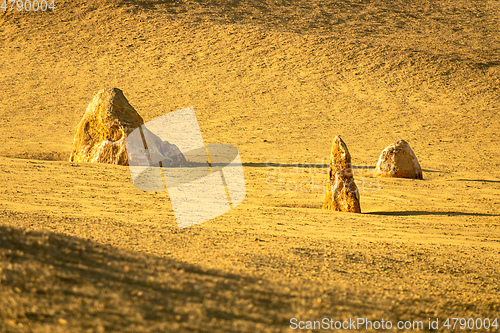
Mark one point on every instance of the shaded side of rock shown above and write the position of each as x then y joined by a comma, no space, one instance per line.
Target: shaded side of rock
341,191
398,160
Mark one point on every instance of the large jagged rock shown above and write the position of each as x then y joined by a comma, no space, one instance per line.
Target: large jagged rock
341,191
398,160
101,135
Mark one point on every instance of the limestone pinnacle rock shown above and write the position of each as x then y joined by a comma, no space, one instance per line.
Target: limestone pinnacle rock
102,133
341,191
398,160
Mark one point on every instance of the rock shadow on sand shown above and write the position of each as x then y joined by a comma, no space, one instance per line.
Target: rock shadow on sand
425,213
478,180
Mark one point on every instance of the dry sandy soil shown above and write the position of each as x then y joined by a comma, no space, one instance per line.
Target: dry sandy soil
82,250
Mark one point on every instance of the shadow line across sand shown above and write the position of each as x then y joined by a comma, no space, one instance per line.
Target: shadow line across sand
421,213
310,165
477,180
299,165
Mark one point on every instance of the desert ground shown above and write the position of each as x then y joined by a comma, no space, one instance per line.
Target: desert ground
83,250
